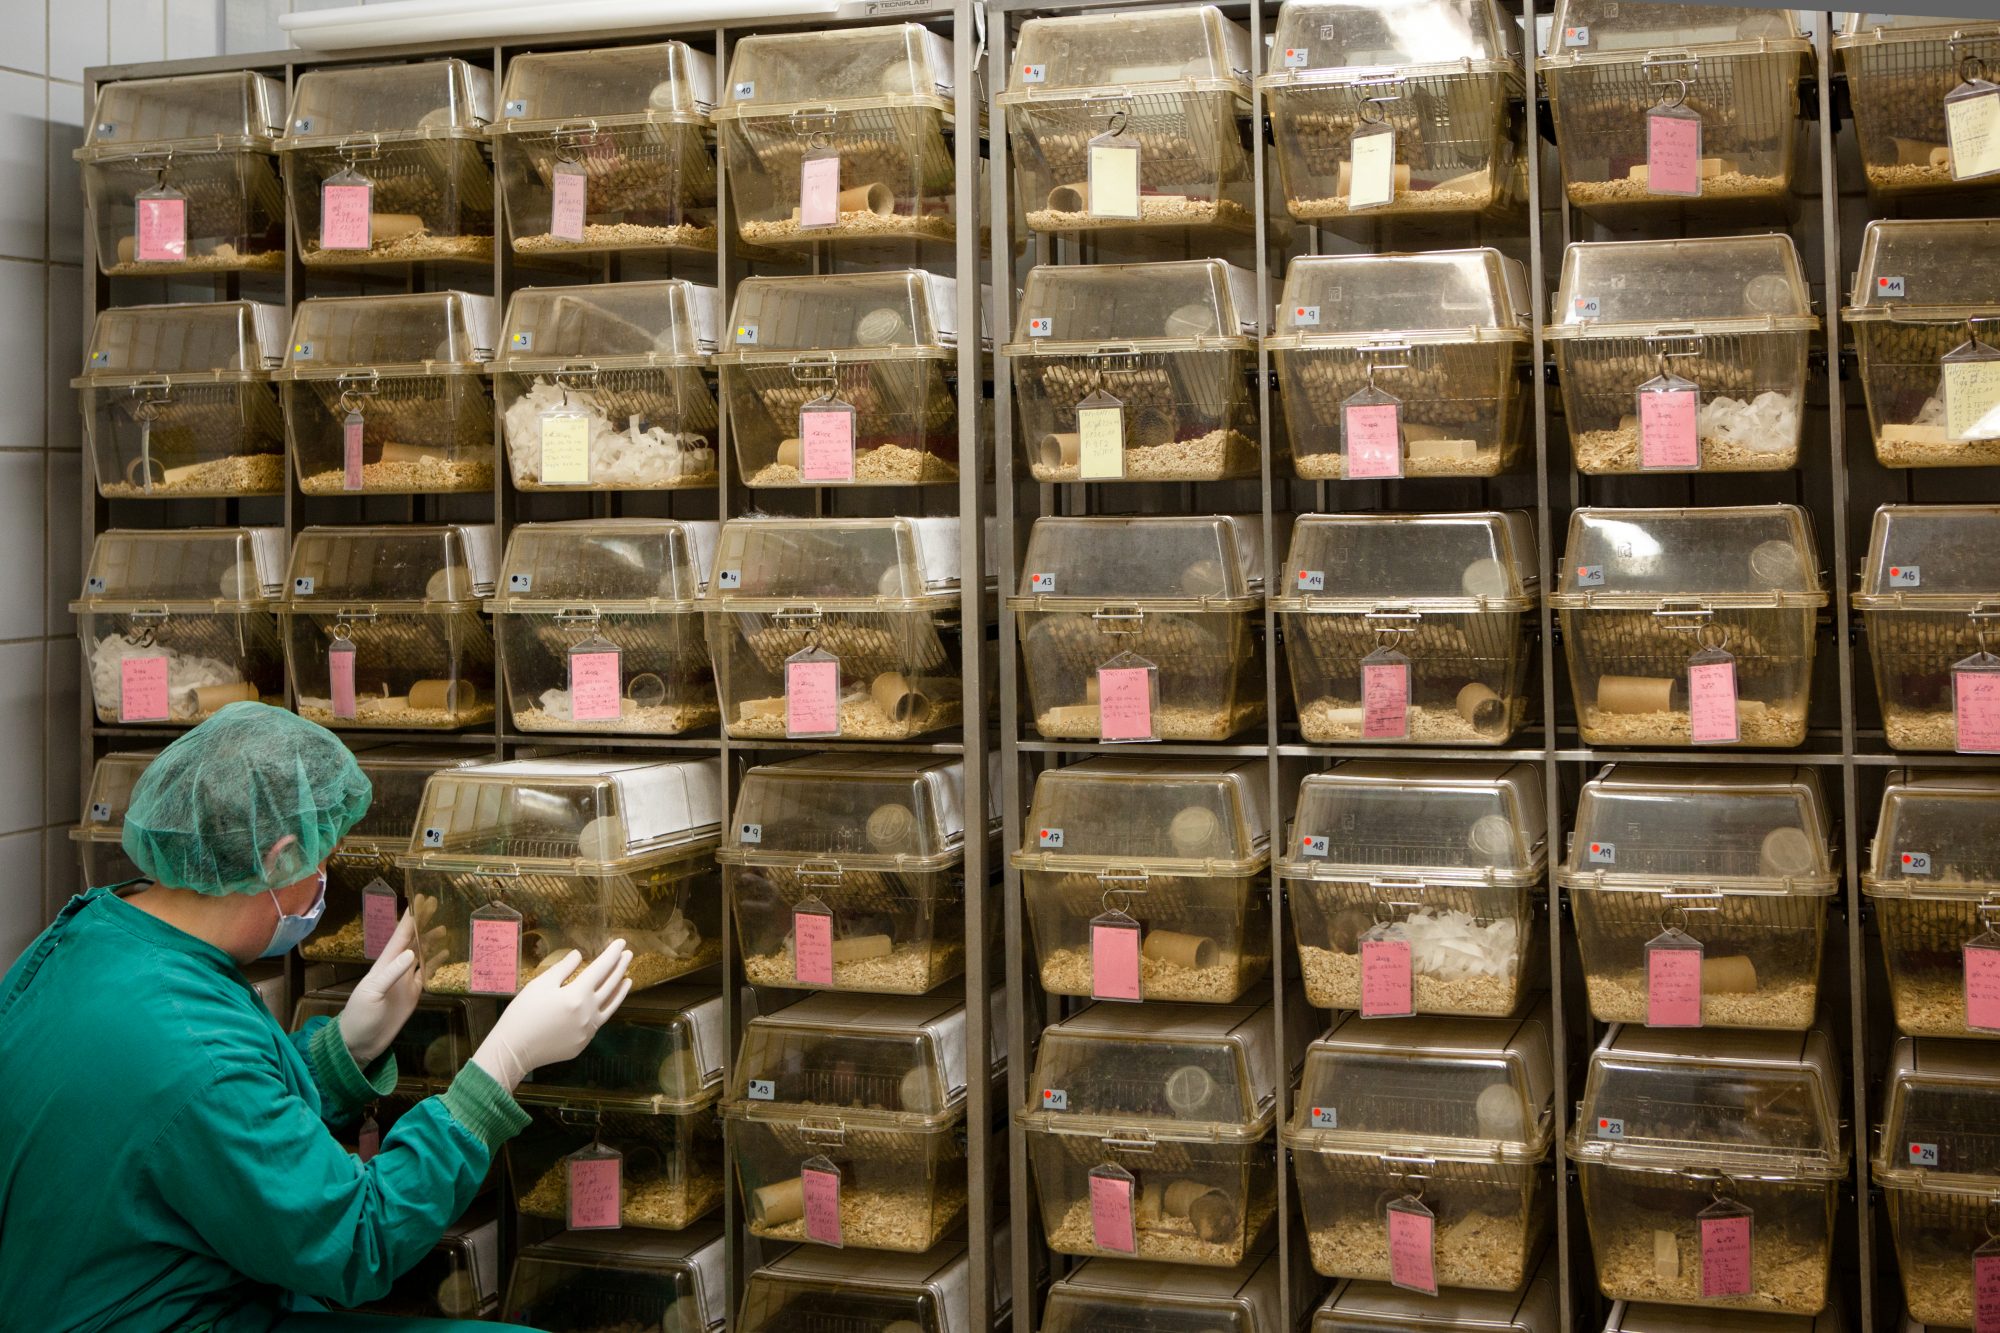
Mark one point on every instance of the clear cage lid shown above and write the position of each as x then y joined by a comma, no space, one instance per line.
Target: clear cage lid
661,1053
1625,30
899,64
1188,305
1940,1125
1321,40
1371,819
815,1289
1206,561
189,113
897,812
1740,830
225,341
1865,29
398,774
1377,1307
1460,1089
225,569
1637,1317
902,1059
445,565
433,1044
625,566
1448,296
576,815
1938,835
856,316
1126,1296
1189,49
435,99
1744,1102
1705,284
1473,562
1170,817
658,82
609,326
1932,557
1172,1071
1927,270
424,333
835,563
1723,556
111,781
687,1266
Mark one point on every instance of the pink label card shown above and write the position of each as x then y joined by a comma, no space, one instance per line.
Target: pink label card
1385,701
340,671
595,1187
346,217
1986,1293
821,1189
162,235
496,957
1725,1257
353,432
1712,703
812,698
594,686
1673,153
1111,1220
819,192
1975,703
1667,435
812,948
1374,437
378,919
1982,987
1412,1264
567,205
1673,988
142,689
1124,704
826,444
1387,987
1114,960
368,1141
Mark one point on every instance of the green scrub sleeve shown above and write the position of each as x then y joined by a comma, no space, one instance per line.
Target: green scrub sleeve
344,1086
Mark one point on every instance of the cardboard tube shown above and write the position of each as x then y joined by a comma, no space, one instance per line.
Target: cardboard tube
899,700
1090,688
128,249
137,470
1941,157
1075,716
855,948
874,197
1666,1255
1442,450
1916,152
451,695
1635,694
775,1205
1180,1196
458,1295
914,1092
1070,198
1171,946
393,452
1731,975
1347,178
791,453
891,828
1480,706
1059,449
1203,578
646,690
448,584
1152,1204
1786,852
1472,182
752,709
1711,167
1193,831
394,226
208,698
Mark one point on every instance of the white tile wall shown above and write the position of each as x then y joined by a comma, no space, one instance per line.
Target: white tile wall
20,905
27,45
23,364
23,716
24,185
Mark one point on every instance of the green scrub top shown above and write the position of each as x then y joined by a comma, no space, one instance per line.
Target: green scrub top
165,1155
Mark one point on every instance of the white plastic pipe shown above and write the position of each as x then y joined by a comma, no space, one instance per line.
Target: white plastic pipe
409,22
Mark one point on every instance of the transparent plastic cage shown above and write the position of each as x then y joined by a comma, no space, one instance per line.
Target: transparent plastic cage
1736,862
1610,64
1929,594
1374,1307
98,836
1455,595
1174,851
1173,347
177,623
602,627
523,861
1447,859
458,1278
1171,84
1641,323
177,400
383,627
1642,592
1642,1317
595,1281
179,178
630,360
1445,334
877,597
1180,595
881,344
1119,1296
812,1290
608,150
1439,74
1924,311
861,1100
1675,1124
846,872
645,1087
388,164
841,135
434,1043
1167,1109
1457,1113
1933,877
387,395
1900,68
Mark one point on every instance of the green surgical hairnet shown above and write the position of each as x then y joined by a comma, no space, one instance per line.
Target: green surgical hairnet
255,798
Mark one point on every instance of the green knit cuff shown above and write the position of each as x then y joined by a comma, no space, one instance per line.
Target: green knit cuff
480,1104
350,1085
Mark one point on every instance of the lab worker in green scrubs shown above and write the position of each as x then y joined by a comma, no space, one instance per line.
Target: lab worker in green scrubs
166,1155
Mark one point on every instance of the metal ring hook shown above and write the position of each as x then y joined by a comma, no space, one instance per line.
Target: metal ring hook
1680,96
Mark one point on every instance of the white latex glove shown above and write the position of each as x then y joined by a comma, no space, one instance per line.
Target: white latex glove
384,999
549,1022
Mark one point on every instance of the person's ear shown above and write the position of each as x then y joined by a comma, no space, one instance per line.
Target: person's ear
279,861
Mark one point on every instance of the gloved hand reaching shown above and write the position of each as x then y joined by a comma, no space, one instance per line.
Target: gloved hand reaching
549,1022
384,999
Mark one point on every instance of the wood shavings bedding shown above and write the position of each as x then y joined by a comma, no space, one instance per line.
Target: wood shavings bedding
1475,1250
1788,1274
1620,997
1068,972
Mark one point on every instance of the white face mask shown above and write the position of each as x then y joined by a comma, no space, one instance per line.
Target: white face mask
292,930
